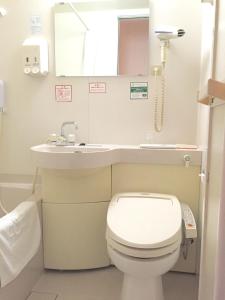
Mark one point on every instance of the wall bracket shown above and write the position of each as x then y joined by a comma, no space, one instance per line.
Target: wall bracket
216,89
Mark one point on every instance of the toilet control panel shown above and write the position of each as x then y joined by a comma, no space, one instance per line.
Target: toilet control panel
189,222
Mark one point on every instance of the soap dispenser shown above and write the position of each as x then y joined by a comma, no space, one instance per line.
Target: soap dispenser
35,56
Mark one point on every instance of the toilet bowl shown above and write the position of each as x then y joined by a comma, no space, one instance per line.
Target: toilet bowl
144,234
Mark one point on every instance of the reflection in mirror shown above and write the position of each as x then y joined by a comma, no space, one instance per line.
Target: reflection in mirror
102,38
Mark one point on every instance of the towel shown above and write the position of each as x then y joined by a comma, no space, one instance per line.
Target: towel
20,235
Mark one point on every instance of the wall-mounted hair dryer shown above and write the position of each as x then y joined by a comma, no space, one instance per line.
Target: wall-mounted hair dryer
165,34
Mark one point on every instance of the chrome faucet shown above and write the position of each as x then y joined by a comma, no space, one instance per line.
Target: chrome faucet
63,127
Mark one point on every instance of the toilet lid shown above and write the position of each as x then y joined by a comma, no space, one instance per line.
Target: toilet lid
144,220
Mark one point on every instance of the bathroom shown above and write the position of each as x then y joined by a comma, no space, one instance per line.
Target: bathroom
111,115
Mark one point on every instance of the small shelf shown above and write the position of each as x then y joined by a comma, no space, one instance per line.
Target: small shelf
216,89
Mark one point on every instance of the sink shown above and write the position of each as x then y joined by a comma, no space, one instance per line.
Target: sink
71,148
73,157
48,156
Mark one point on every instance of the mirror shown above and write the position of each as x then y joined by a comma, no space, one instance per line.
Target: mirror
102,38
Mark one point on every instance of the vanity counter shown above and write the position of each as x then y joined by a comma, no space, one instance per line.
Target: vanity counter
100,155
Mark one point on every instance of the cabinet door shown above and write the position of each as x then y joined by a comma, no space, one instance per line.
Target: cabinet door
76,186
74,236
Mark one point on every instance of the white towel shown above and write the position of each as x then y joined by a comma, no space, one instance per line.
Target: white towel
20,235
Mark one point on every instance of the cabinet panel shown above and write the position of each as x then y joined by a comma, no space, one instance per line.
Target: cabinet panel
74,236
76,186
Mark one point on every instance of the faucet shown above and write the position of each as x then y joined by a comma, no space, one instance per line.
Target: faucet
63,127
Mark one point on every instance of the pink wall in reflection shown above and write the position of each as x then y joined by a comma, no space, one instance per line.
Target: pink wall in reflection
133,46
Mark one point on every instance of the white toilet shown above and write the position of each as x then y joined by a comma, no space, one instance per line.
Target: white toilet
144,234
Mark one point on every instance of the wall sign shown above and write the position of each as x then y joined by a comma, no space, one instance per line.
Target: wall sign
138,90
97,87
63,93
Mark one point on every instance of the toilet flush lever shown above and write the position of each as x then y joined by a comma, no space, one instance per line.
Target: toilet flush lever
187,160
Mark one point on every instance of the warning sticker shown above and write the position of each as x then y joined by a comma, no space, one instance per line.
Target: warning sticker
63,93
97,87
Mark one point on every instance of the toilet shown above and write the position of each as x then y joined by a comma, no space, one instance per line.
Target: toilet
144,235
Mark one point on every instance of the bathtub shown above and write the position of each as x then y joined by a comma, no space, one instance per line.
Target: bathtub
11,194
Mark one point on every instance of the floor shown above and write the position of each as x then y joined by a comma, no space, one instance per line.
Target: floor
105,284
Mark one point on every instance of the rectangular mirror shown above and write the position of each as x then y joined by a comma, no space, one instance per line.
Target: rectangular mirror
102,38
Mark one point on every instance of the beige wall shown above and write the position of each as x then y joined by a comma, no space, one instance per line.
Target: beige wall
32,112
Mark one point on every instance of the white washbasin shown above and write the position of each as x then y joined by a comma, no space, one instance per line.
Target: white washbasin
73,157
49,156
71,149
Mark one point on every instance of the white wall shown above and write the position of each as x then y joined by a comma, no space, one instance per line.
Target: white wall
32,112
216,158
207,39
214,195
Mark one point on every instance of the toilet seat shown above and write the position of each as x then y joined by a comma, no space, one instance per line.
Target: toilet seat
143,253
144,225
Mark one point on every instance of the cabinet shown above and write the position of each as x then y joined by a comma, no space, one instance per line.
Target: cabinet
74,218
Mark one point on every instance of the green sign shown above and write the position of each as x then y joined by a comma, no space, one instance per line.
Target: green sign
138,90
